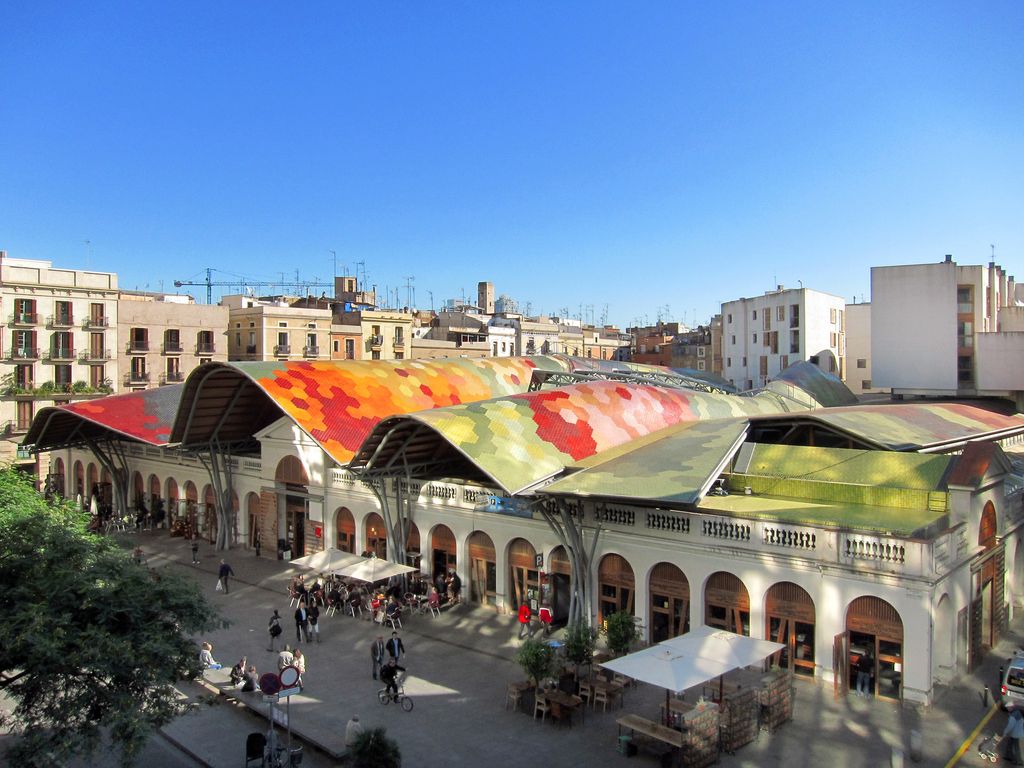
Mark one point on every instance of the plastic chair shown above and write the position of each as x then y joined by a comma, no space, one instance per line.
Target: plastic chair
600,695
513,696
293,598
393,619
255,743
586,690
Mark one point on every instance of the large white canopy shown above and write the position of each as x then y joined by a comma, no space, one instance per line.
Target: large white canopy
329,560
372,569
728,647
667,668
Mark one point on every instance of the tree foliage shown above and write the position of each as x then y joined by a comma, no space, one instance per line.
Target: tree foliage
535,657
93,642
375,749
621,632
580,642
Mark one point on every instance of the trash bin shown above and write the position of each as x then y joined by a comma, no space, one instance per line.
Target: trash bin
626,746
295,756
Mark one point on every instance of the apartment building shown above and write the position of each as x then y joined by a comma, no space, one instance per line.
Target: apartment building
385,334
60,345
501,337
163,337
858,350
763,335
946,330
692,349
538,335
652,344
278,328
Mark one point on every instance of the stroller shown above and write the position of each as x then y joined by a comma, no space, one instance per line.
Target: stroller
988,748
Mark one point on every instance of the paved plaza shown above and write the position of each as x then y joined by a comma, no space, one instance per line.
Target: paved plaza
458,668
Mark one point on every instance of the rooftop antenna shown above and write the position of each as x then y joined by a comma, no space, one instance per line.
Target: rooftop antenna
334,253
431,295
410,291
991,246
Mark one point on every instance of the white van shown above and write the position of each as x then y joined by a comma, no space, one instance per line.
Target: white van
1013,682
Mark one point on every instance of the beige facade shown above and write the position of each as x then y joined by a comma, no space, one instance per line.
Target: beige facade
163,337
386,334
273,329
60,343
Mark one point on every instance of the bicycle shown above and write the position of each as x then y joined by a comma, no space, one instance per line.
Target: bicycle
385,697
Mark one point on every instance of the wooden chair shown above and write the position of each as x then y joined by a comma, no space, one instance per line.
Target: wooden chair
513,696
540,704
600,695
586,690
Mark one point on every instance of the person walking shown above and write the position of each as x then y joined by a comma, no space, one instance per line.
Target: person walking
1014,732
301,623
314,621
395,647
353,731
299,662
195,550
224,574
377,654
524,620
865,666
274,628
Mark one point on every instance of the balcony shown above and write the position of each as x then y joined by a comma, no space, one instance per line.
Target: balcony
94,356
205,348
311,351
172,348
60,321
137,377
24,353
376,342
61,355
399,342
96,323
136,346
172,377
24,318
281,350
250,349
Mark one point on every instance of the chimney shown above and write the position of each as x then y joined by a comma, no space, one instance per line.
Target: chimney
949,258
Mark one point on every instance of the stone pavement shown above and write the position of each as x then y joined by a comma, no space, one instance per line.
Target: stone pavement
458,666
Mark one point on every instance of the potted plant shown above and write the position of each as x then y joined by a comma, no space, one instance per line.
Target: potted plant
621,632
580,641
535,658
373,749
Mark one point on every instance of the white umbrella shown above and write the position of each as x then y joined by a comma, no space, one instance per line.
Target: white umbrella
329,560
666,667
373,569
720,645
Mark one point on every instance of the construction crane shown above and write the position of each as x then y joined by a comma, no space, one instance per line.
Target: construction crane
242,283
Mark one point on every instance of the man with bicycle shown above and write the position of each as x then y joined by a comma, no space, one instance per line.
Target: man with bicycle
389,675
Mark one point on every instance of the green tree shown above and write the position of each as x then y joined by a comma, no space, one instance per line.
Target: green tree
580,641
93,642
535,657
374,749
621,631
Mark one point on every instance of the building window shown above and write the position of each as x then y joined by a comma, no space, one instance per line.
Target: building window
780,312
62,375
862,363
96,377
783,362
744,361
350,349
729,318
700,353
172,340
375,354
24,415
336,347
832,316
238,339
865,384
204,343
24,376
399,355
733,342
282,325
755,314
755,338
63,314
138,369
794,315
700,365
138,340
728,362
794,342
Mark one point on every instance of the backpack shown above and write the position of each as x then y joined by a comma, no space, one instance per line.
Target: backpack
275,627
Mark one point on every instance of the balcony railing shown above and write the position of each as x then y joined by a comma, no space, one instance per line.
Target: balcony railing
308,351
94,355
282,349
172,377
138,345
172,348
250,349
61,353
204,348
24,318
137,377
24,353
96,322
376,342
60,321
399,341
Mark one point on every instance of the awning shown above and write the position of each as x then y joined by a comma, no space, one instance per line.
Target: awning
374,569
328,561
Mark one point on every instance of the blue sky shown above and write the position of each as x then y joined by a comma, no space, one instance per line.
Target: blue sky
634,159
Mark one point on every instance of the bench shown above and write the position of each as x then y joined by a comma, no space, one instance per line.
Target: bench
659,740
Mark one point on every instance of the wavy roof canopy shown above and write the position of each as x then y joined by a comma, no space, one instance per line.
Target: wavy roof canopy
675,467
826,389
522,440
338,402
144,416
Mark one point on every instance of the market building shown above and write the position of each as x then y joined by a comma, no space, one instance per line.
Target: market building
791,514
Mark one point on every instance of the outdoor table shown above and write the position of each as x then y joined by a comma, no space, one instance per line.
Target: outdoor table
566,701
609,688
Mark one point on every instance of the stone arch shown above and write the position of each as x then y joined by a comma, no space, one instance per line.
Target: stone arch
138,490
252,507
727,603
292,483
443,550
345,530
58,481
483,569
789,618
524,577
988,528
375,534
556,588
874,626
291,471
616,587
669,591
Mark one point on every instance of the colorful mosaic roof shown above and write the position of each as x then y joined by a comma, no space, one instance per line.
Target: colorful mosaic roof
914,426
146,416
675,466
826,389
522,440
338,402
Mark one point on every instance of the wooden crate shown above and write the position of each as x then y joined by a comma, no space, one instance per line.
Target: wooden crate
738,723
